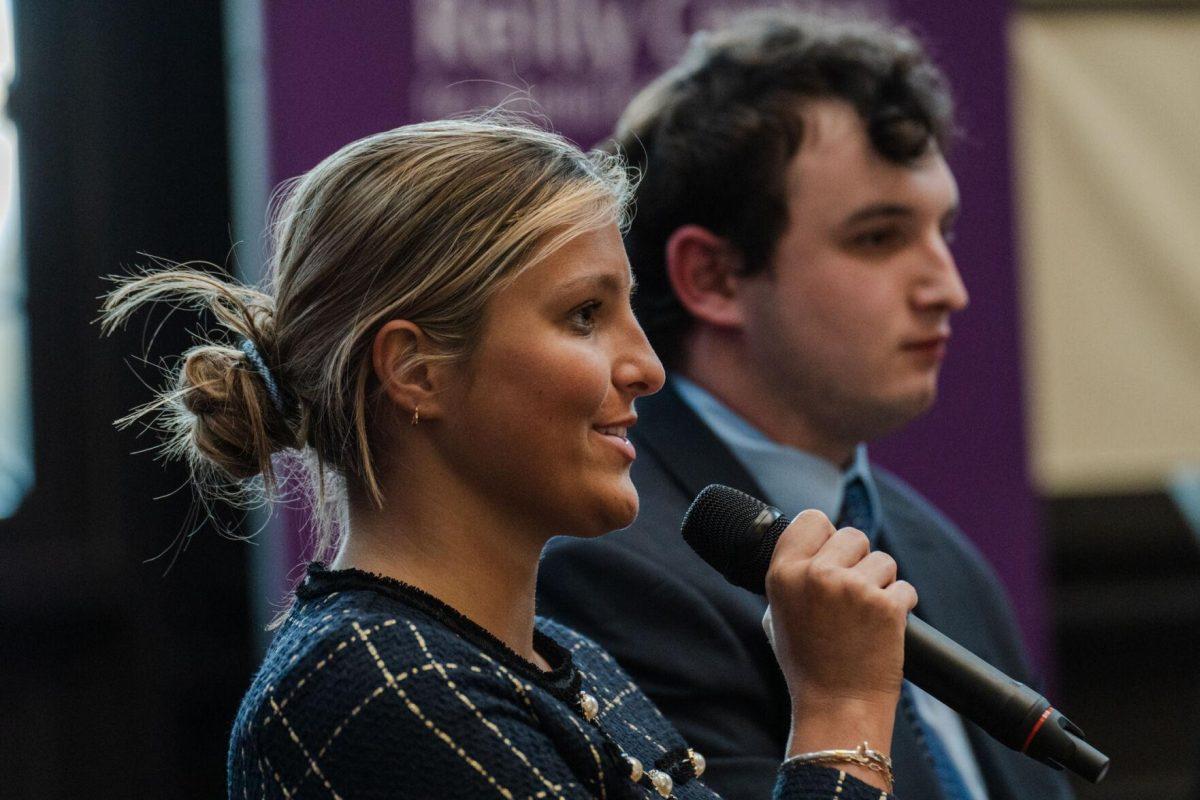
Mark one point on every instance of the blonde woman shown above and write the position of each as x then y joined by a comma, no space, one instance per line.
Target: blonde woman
449,344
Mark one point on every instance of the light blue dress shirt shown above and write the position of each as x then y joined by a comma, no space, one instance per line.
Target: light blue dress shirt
794,481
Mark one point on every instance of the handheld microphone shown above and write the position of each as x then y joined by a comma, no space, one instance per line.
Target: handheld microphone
736,534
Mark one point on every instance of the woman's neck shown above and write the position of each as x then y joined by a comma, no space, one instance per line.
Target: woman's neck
482,567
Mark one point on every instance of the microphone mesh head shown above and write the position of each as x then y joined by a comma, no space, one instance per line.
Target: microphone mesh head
724,526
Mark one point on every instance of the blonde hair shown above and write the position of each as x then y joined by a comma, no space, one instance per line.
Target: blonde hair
425,223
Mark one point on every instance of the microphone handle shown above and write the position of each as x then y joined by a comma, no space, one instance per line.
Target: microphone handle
1008,710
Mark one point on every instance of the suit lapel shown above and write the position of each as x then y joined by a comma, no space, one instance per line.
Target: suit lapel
919,782
690,453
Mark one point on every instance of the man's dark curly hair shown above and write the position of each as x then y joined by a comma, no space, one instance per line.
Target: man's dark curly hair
712,137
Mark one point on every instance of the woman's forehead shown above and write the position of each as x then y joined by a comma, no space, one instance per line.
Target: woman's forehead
595,259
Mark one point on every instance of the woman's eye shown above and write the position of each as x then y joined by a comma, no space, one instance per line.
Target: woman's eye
584,317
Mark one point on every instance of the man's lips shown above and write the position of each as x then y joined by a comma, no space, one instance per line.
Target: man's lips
921,344
934,346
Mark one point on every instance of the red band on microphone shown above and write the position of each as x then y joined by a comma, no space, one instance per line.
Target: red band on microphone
1037,727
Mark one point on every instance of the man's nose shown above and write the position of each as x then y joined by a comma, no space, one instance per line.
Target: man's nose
941,285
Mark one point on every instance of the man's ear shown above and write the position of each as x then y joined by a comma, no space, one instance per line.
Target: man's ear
410,387
702,268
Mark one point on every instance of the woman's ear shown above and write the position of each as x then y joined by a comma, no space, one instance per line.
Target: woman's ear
410,386
703,270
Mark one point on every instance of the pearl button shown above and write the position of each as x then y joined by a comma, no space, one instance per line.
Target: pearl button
698,762
635,768
662,782
590,707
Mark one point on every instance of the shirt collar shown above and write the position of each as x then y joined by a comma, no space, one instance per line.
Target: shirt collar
792,479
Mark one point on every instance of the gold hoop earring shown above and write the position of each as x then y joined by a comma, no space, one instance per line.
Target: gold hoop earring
416,417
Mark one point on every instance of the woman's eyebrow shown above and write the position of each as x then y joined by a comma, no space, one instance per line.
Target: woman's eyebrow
604,281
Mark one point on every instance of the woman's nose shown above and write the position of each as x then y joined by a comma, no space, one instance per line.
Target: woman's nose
639,371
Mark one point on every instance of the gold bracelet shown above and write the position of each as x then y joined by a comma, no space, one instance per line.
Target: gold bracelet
862,755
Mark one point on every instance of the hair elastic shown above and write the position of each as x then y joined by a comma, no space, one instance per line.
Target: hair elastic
260,366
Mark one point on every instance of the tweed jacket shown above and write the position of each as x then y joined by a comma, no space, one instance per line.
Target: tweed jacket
374,689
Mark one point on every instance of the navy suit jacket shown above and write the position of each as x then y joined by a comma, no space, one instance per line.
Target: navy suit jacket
694,643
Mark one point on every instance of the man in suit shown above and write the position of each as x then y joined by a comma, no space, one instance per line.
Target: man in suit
791,242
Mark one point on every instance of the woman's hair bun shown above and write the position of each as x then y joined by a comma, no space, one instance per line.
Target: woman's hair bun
233,421
220,415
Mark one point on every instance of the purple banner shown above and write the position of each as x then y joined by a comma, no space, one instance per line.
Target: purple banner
339,71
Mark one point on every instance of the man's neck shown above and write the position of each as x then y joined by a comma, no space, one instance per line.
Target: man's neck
719,370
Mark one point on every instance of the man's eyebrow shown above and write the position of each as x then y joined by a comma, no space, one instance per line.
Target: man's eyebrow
879,211
894,210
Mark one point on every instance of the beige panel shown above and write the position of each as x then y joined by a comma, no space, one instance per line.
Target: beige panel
1112,5
1107,114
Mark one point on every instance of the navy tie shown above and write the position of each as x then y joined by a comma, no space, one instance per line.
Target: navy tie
856,508
857,513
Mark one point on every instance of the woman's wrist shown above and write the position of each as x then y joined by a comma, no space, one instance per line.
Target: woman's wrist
844,760
844,723
821,722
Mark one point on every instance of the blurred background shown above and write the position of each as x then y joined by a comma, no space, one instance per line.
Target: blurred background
1066,441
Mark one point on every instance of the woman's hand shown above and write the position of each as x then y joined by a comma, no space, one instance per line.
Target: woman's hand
838,617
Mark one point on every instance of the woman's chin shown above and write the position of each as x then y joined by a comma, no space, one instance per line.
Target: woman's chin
615,511
626,518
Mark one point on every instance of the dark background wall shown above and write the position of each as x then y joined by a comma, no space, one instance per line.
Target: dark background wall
1125,596
118,678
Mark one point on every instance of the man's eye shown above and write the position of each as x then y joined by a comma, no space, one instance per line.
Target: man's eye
948,235
584,316
876,239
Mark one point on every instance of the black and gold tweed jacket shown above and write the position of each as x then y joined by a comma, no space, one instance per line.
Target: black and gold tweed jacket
375,689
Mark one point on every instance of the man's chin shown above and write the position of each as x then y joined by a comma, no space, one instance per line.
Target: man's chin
915,405
893,413
924,399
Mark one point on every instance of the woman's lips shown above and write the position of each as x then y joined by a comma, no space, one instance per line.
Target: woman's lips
617,436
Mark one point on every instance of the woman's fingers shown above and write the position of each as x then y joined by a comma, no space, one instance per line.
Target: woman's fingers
804,537
811,538
810,542
845,548
903,594
878,568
